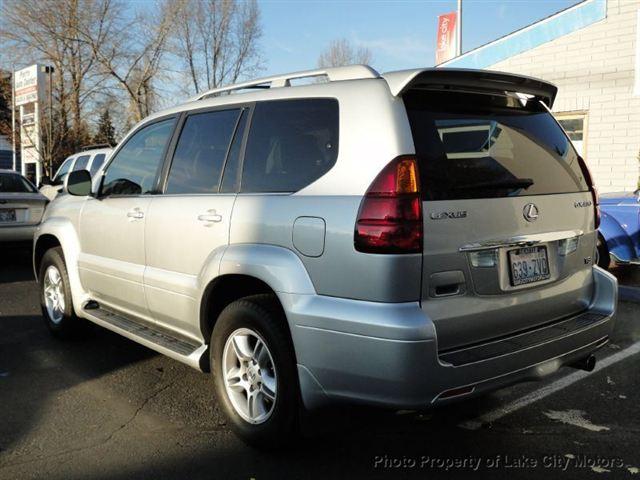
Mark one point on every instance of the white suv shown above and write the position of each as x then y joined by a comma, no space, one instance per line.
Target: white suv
401,240
91,160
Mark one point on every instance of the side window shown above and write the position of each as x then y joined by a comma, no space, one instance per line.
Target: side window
291,144
62,171
81,163
134,169
202,147
98,160
231,178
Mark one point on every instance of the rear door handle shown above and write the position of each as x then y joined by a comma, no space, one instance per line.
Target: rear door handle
210,217
135,214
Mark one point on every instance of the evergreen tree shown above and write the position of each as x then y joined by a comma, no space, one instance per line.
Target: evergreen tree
105,132
5,103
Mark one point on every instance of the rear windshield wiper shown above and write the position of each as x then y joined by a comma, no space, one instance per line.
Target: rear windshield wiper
516,183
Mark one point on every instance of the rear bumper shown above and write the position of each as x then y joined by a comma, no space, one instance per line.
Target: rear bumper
18,233
387,354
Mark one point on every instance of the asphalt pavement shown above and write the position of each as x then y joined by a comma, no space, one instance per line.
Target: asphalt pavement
103,407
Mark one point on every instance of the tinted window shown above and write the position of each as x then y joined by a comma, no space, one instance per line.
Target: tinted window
12,183
202,147
291,144
231,179
134,169
98,160
484,146
81,163
62,171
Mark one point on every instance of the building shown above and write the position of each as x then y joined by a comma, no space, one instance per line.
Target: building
591,51
6,153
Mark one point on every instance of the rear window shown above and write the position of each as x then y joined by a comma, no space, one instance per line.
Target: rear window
291,144
12,183
489,146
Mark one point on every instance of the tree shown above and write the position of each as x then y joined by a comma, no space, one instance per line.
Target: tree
217,40
41,31
5,104
105,132
130,51
341,52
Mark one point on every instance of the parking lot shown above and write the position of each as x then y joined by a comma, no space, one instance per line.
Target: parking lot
105,407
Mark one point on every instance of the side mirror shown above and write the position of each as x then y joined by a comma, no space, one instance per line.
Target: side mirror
45,180
78,183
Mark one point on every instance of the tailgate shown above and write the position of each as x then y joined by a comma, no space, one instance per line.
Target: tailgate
508,215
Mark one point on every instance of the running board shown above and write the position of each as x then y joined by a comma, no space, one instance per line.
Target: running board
161,341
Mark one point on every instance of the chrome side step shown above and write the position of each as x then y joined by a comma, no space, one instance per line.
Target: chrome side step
183,350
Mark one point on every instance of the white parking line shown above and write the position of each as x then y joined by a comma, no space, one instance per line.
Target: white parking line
554,387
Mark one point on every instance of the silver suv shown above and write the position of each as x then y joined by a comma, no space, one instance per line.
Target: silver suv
401,240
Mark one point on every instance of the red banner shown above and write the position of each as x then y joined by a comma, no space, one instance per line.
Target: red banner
446,41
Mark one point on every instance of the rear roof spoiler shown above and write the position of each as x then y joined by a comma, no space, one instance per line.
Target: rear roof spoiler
467,79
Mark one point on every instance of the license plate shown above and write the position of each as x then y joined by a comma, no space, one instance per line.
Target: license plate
528,265
7,215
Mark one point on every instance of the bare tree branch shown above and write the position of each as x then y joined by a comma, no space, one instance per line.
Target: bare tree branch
341,52
217,41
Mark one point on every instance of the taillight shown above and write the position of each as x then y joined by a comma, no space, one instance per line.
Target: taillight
390,216
594,191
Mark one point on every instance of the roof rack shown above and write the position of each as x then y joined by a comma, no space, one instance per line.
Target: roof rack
351,72
95,146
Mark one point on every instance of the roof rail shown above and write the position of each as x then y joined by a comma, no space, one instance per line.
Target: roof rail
351,72
96,146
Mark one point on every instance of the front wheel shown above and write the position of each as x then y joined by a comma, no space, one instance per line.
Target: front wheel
55,295
254,370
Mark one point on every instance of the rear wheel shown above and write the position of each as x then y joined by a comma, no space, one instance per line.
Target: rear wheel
603,257
55,295
254,371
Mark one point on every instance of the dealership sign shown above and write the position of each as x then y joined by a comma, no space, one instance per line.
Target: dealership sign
30,92
446,39
27,82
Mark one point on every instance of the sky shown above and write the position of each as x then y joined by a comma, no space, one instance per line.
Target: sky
400,34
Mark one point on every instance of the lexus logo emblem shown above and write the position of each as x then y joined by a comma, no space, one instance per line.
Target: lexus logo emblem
530,212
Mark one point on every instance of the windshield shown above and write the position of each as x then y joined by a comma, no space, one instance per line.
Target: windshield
488,146
14,183
63,170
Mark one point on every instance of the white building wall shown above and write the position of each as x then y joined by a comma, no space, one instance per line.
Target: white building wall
594,71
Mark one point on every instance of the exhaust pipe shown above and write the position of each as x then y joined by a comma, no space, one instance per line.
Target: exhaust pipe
587,364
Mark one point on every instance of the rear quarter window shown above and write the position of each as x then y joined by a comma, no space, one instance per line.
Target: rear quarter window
291,144
488,146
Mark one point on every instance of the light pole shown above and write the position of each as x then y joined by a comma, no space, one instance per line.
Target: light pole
13,116
49,70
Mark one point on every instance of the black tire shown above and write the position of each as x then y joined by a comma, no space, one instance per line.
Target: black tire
69,324
263,315
604,259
